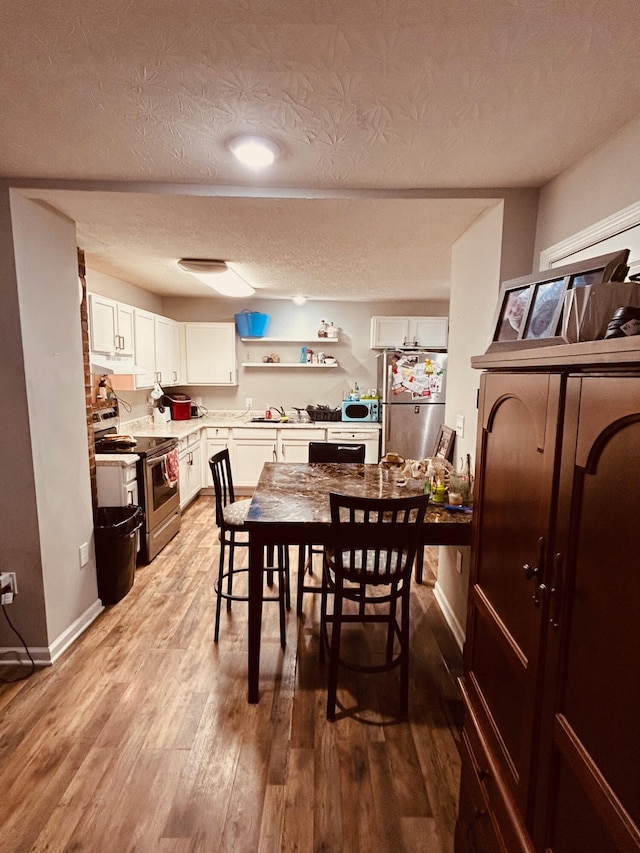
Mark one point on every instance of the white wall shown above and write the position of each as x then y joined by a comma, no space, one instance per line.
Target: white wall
476,259
123,291
601,184
49,322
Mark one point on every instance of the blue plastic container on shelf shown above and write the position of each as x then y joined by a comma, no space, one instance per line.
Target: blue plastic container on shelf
251,324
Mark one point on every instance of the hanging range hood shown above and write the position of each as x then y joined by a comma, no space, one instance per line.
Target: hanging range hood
120,365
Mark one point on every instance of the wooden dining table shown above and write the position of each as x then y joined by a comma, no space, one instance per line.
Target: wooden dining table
290,506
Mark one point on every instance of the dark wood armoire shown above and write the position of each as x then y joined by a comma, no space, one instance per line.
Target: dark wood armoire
551,685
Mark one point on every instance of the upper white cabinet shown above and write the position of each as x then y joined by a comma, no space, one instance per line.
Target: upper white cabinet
210,354
167,342
427,332
157,349
110,326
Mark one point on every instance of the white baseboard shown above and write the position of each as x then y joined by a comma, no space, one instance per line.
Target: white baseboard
449,616
45,656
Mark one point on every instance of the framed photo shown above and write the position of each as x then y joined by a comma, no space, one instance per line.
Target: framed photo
444,443
530,308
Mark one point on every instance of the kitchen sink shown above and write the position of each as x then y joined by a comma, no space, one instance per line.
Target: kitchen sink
274,421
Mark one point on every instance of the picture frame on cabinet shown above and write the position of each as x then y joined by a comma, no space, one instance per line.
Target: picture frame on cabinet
530,308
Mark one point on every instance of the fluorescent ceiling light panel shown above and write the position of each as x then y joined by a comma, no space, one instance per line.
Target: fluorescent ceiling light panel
254,151
299,300
218,276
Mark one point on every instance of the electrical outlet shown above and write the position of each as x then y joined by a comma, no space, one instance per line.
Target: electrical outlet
84,554
248,402
8,587
460,426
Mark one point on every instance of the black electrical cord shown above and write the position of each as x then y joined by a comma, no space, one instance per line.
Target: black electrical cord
19,636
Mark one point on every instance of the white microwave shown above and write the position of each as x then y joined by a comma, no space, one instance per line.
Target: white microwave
361,410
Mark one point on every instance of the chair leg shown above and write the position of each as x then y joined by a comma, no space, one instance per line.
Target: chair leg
282,594
232,550
216,632
287,575
419,563
334,654
404,657
391,631
302,553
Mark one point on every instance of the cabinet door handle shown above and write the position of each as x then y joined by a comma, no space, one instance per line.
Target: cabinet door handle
116,342
555,593
275,452
535,572
175,375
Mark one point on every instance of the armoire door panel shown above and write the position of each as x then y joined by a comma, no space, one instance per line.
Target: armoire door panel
500,685
597,643
507,603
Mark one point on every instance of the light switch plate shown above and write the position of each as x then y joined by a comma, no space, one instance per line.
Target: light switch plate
460,426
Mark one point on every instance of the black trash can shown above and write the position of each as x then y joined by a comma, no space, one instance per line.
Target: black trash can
116,528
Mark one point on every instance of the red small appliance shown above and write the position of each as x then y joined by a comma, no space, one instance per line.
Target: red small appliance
180,405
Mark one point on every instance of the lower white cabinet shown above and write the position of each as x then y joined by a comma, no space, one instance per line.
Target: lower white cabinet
294,444
117,482
190,458
370,438
251,449
216,439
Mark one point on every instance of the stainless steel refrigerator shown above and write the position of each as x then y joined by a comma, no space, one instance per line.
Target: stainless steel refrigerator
413,388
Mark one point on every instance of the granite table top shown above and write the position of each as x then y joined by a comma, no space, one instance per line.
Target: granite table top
297,495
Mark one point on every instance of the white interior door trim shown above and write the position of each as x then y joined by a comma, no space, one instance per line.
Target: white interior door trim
618,222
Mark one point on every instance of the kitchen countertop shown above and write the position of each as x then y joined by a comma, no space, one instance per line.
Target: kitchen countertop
181,429
116,460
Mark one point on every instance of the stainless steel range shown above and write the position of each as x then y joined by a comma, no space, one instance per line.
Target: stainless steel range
158,479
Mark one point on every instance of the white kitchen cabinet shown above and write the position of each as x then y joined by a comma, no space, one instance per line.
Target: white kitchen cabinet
167,349
210,354
215,439
190,459
157,349
427,332
117,481
293,445
370,438
252,448
110,326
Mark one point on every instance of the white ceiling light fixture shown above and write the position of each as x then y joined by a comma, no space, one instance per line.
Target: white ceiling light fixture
217,275
256,152
299,300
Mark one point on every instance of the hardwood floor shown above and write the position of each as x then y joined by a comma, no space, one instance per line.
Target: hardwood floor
140,737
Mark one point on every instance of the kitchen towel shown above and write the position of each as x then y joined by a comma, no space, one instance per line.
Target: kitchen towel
170,468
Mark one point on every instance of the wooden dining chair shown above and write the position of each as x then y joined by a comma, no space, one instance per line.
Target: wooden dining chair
322,451
231,516
367,576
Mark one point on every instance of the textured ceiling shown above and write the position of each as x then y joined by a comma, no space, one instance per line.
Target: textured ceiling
377,95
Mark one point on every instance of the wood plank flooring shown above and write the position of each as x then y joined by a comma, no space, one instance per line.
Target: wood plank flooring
140,737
